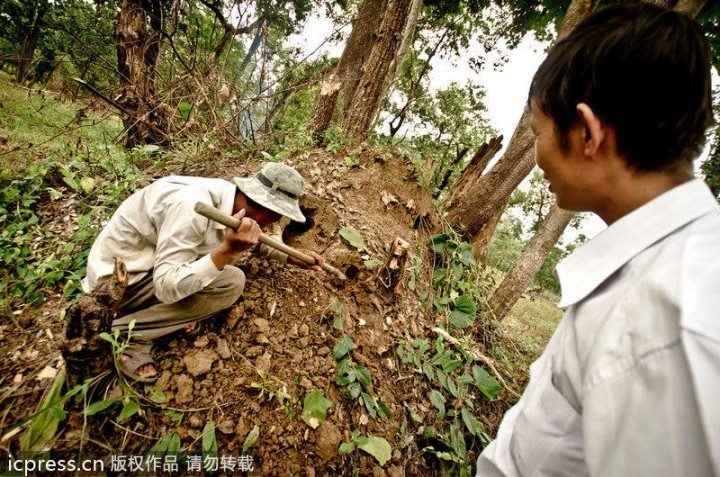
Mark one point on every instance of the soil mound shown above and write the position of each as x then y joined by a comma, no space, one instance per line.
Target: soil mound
257,365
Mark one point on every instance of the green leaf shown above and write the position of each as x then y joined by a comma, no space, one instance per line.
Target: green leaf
342,348
438,242
336,306
338,322
471,423
42,432
156,395
251,438
466,254
353,238
438,401
370,404
184,109
130,408
175,416
315,408
346,448
428,370
373,263
267,156
174,444
384,410
209,442
486,383
363,376
452,388
451,365
353,390
148,148
378,448
346,373
463,314
100,406
160,447
69,180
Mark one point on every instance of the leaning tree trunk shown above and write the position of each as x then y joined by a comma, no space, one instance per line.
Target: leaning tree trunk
379,41
524,271
138,44
489,195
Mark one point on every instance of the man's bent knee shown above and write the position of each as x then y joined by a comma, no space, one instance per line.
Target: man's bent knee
227,287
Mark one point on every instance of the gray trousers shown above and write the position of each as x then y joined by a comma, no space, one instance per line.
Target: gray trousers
154,319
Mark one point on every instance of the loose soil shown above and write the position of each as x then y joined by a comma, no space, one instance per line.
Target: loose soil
281,334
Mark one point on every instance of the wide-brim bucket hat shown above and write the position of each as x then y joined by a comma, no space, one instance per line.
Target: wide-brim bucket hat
276,187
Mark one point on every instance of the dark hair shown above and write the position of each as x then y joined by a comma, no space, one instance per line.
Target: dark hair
643,69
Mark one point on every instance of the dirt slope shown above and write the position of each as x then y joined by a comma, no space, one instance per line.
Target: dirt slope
255,366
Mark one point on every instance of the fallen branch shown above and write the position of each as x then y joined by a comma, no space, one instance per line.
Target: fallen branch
479,357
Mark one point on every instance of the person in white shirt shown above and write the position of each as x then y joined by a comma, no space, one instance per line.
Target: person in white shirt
179,262
629,385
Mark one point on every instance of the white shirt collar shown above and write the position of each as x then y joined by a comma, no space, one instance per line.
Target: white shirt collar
592,263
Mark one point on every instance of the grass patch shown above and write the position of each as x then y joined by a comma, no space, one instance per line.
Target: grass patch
531,323
38,123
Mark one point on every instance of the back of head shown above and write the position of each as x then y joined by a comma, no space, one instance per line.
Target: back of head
643,69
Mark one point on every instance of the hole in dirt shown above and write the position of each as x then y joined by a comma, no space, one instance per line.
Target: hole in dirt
352,272
295,229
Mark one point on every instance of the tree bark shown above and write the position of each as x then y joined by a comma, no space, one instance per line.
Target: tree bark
138,45
492,192
555,223
524,271
30,41
474,170
378,43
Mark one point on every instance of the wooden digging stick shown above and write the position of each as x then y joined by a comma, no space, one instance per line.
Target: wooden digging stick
231,222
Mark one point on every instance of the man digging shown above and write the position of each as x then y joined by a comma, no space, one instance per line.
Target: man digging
179,262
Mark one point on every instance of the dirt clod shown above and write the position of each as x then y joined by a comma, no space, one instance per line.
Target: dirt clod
328,440
200,362
184,385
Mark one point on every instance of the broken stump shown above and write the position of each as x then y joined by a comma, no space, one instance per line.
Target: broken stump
86,354
394,271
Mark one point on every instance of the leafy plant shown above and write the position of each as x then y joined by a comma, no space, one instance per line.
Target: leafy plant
377,447
315,408
353,238
338,321
356,379
452,377
251,438
455,280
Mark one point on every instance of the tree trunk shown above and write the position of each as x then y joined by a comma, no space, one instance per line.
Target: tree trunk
474,170
491,193
554,224
482,199
376,48
524,271
30,41
138,46
481,240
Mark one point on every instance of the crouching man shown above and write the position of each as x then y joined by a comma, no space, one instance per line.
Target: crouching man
179,262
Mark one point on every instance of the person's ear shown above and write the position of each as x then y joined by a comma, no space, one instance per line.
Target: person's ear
593,129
